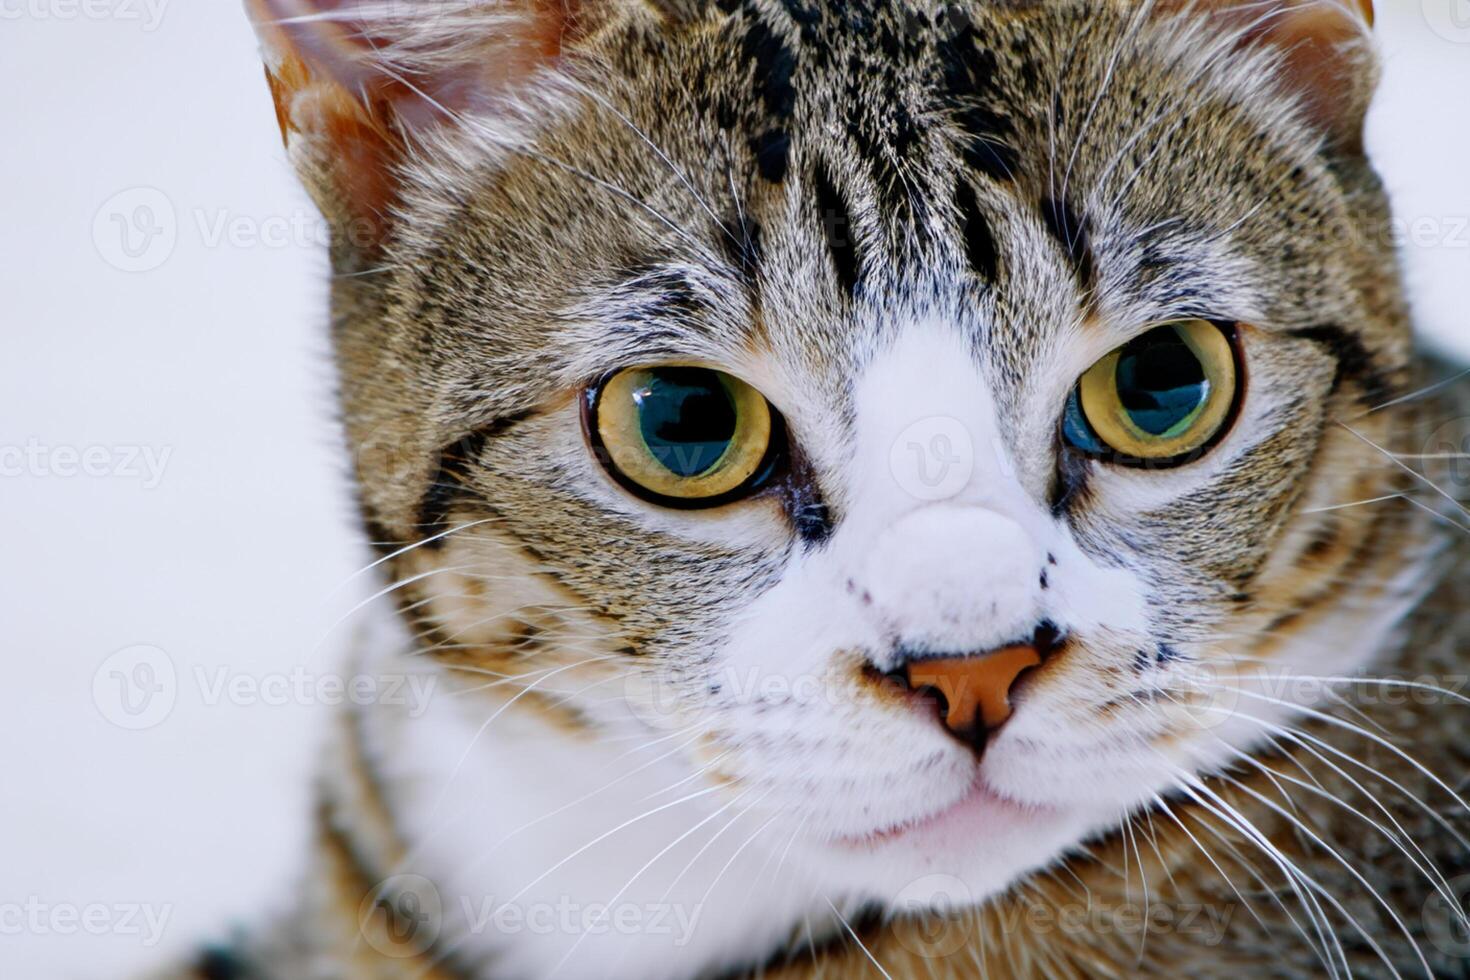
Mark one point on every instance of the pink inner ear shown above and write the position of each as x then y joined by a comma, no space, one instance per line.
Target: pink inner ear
358,79
406,61
1328,62
1266,13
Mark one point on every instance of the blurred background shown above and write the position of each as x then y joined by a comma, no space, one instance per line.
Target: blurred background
177,540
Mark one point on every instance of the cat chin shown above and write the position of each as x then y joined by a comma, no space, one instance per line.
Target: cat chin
963,854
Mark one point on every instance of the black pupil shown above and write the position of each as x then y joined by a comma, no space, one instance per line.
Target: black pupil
687,417
1161,381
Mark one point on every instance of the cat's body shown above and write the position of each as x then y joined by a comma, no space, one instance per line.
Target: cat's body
666,736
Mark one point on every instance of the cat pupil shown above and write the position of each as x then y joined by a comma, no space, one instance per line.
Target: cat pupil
1161,382
687,418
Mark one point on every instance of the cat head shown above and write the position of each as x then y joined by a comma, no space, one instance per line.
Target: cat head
716,367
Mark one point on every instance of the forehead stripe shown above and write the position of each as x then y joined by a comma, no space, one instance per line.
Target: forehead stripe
968,79
837,227
772,64
1075,237
980,245
772,151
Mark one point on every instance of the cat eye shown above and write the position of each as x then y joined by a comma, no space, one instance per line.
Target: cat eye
683,436
1158,400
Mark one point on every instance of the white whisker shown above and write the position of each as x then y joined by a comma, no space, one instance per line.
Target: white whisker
866,952
1421,393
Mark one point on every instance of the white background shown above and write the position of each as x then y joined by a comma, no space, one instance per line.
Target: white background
233,565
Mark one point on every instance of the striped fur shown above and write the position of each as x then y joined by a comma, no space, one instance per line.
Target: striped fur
876,213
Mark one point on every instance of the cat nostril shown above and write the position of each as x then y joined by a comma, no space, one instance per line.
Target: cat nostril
928,695
936,697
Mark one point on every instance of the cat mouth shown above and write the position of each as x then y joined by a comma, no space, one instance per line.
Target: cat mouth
981,810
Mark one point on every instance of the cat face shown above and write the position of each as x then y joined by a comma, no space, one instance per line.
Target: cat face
711,365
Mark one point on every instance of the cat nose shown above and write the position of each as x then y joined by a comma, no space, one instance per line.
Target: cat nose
973,691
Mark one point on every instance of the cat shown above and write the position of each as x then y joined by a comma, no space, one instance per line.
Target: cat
878,488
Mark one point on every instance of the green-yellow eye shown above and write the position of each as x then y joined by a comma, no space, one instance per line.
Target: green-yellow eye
682,436
1158,399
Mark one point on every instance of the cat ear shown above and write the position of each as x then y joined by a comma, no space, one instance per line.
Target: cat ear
358,84
1327,49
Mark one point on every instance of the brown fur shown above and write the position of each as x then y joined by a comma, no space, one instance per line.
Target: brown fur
1044,172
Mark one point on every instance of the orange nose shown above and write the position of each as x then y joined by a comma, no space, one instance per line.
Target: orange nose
976,690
